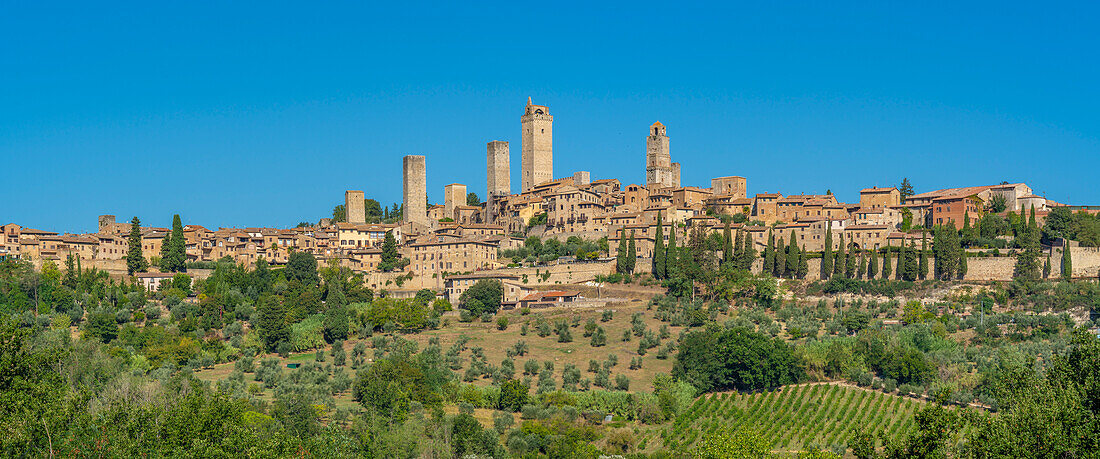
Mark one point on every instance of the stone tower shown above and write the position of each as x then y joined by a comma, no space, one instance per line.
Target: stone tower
415,190
106,224
658,161
354,207
538,146
454,195
498,182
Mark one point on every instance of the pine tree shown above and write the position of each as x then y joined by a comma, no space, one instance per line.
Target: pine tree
840,263
872,265
390,256
631,254
727,247
1067,263
887,269
827,253
923,254
792,257
135,261
659,250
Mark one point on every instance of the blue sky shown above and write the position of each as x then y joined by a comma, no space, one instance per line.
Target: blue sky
262,114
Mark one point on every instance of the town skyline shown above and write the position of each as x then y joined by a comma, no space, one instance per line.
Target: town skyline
125,110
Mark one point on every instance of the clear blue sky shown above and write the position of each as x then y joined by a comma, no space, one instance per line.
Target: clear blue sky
262,114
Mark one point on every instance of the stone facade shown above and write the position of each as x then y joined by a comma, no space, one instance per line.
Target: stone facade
415,190
537,159
355,207
454,195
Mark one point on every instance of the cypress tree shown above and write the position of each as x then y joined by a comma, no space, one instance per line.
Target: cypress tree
923,254
632,254
911,265
899,271
748,254
962,264
850,265
1067,264
738,247
727,247
872,265
827,253
135,261
840,263
780,257
672,254
887,269
862,268
621,252
658,268
803,264
793,255
1046,268
769,255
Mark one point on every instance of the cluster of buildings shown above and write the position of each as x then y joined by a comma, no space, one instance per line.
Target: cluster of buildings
455,237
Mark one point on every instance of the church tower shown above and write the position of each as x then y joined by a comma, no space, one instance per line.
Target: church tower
537,160
658,161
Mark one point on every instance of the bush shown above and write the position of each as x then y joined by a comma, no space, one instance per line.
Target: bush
622,382
502,323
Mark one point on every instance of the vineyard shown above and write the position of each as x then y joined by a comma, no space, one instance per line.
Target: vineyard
795,417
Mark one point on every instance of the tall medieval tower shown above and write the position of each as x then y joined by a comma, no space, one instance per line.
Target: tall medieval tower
537,161
414,174
658,161
498,181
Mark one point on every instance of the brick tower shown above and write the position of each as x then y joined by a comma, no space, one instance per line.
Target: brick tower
538,145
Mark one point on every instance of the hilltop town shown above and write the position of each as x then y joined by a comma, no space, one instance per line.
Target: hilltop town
762,325
465,235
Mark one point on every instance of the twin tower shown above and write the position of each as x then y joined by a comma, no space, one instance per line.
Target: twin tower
537,163
537,159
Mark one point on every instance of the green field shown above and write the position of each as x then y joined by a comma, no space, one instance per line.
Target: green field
795,417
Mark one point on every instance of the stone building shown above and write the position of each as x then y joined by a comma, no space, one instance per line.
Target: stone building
355,207
876,198
454,195
415,190
732,186
537,159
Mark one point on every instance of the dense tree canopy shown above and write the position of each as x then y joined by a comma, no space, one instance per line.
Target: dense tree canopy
736,358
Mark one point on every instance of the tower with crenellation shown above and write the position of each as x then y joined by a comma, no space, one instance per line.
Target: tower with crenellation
537,160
